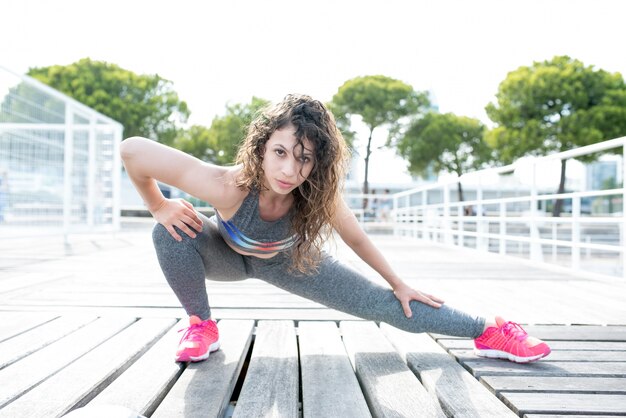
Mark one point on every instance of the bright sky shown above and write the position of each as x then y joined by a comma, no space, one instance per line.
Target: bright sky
217,52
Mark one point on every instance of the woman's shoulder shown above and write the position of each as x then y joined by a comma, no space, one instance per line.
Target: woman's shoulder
231,194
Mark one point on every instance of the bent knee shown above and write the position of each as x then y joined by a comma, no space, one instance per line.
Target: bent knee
160,235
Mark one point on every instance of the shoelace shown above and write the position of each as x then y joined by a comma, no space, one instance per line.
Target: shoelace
514,330
190,332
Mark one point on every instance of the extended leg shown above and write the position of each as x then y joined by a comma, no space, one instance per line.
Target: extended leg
341,288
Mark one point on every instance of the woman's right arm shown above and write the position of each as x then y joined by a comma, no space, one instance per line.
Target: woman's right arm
147,161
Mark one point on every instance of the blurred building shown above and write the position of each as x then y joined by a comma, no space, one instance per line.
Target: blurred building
59,162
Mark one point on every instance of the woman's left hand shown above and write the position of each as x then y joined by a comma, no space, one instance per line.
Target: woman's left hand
405,294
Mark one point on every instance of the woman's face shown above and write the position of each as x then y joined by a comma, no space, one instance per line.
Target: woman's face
286,164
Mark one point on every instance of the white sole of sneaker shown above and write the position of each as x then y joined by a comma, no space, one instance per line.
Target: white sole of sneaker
213,347
506,356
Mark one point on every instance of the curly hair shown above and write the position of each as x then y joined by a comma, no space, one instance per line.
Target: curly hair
316,199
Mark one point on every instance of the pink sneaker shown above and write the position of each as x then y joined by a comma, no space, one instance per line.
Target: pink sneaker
509,341
199,340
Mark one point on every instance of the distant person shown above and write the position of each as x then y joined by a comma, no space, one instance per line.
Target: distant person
273,212
385,206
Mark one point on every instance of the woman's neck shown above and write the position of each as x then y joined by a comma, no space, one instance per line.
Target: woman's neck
274,205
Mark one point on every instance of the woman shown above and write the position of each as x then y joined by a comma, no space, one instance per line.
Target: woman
273,212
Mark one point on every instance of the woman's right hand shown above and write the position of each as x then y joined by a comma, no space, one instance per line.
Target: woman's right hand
179,213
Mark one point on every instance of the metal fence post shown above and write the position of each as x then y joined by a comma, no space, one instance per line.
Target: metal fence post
460,226
502,242
535,246
91,171
394,214
576,232
68,169
480,227
425,220
623,237
117,177
447,236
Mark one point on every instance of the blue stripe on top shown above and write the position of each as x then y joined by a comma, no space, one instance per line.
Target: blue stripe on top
239,239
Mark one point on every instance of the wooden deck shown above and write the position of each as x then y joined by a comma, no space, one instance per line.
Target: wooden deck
94,324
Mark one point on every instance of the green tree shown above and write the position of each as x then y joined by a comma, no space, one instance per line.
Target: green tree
553,106
219,143
444,142
380,101
196,140
145,105
343,123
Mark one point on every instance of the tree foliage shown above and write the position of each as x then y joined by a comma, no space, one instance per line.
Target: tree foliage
219,143
553,106
445,142
145,105
343,123
196,140
380,101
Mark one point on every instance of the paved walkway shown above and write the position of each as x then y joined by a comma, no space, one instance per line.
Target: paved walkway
93,323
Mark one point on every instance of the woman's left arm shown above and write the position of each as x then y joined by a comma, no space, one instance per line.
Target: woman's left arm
348,228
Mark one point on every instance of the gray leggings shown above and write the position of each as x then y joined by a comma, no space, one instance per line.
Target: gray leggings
188,263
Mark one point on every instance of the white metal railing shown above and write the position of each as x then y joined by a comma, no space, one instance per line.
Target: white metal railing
59,162
519,224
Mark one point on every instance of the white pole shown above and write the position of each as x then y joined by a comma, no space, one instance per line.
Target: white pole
481,243
117,175
91,171
68,163
554,237
447,236
394,215
623,237
425,219
535,246
576,232
502,228
460,213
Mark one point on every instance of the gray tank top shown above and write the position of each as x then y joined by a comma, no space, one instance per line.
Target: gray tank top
248,232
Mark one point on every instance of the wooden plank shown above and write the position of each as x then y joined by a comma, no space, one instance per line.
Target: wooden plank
458,392
571,355
578,333
563,403
570,416
270,388
465,344
294,314
490,367
329,385
31,370
39,337
78,382
568,384
390,388
570,333
15,323
205,388
142,387
106,297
